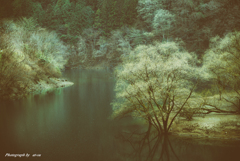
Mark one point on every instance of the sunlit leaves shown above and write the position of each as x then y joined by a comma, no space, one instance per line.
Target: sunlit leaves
152,75
222,60
26,40
146,9
163,20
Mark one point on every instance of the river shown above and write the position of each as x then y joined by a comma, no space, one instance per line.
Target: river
72,124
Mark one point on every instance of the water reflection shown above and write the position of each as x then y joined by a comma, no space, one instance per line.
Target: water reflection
63,124
72,124
148,146
137,145
41,116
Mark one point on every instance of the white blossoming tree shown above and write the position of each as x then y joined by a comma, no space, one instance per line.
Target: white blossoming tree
223,62
155,83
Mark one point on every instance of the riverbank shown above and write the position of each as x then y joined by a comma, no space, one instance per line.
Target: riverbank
42,85
52,83
213,126
219,127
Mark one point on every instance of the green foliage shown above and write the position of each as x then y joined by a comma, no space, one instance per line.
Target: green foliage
118,46
13,79
36,43
22,7
112,14
91,37
222,61
67,18
137,37
146,11
195,21
98,20
38,12
163,22
226,55
29,24
29,53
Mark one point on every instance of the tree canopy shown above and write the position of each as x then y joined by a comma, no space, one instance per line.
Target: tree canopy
155,81
222,61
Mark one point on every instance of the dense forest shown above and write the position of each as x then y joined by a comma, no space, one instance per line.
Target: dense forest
101,24
162,66
198,41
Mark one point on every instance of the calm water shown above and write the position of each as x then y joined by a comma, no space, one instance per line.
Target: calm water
71,124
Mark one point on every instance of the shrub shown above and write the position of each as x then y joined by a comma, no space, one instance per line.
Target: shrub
118,45
35,43
30,53
222,61
14,78
91,37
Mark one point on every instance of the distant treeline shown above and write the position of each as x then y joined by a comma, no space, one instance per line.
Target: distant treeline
194,21
70,17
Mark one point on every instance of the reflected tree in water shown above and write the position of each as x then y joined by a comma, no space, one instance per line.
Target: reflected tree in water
148,146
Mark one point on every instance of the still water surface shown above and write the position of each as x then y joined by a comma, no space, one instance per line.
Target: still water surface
71,124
